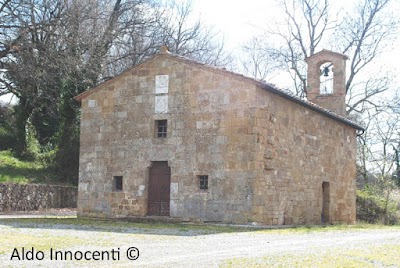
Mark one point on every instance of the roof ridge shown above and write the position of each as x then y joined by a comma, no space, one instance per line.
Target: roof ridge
263,84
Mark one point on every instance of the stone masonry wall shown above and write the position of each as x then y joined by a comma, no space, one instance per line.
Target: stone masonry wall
28,197
299,150
336,101
209,133
266,157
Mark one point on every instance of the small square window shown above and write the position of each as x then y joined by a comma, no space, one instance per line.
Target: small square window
117,183
161,128
203,182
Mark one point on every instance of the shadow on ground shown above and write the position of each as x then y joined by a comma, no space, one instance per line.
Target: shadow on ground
172,229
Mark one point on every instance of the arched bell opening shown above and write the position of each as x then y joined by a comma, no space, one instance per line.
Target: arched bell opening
326,78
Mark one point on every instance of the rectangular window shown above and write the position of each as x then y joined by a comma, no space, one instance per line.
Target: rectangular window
203,182
161,128
117,183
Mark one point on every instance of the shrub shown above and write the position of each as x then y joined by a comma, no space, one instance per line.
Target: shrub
8,139
32,150
373,206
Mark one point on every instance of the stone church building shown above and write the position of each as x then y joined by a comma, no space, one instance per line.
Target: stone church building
176,138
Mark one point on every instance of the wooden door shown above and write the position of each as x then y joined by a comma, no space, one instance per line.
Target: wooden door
159,189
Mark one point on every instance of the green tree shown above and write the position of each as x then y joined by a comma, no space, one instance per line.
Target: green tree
51,51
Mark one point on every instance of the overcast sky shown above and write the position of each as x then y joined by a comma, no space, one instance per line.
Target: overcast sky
238,21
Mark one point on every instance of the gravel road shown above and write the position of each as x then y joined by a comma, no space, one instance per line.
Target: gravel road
178,247
210,250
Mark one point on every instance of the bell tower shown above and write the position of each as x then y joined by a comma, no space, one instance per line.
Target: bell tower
326,80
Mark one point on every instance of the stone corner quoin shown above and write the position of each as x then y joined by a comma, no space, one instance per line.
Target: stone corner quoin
173,137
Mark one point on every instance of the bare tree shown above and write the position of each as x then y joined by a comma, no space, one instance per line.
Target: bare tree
382,143
255,62
309,26
298,36
378,156
191,39
172,25
396,149
364,36
8,40
394,108
136,39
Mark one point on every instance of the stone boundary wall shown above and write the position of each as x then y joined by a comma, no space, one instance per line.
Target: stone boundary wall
28,197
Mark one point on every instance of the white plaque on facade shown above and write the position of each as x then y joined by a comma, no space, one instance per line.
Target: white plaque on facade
162,84
161,104
91,103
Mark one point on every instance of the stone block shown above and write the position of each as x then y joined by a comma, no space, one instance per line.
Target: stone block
260,161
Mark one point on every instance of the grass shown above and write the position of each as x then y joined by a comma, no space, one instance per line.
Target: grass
120,225
117,226
338,227
17,171
43,242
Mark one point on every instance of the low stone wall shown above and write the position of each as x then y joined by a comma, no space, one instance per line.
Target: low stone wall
28,197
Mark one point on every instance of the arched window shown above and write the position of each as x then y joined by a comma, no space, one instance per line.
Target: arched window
326,78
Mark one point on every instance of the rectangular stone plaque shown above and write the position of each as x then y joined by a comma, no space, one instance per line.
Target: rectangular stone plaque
91,103
161,104
162,84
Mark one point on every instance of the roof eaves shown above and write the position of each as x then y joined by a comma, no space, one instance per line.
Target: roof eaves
86,93
267,86
312,106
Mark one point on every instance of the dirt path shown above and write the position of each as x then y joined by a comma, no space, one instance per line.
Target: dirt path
54,212
175,247
209,251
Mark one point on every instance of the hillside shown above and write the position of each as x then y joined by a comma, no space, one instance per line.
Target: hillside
17,171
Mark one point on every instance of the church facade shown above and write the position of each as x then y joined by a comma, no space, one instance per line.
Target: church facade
176,138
